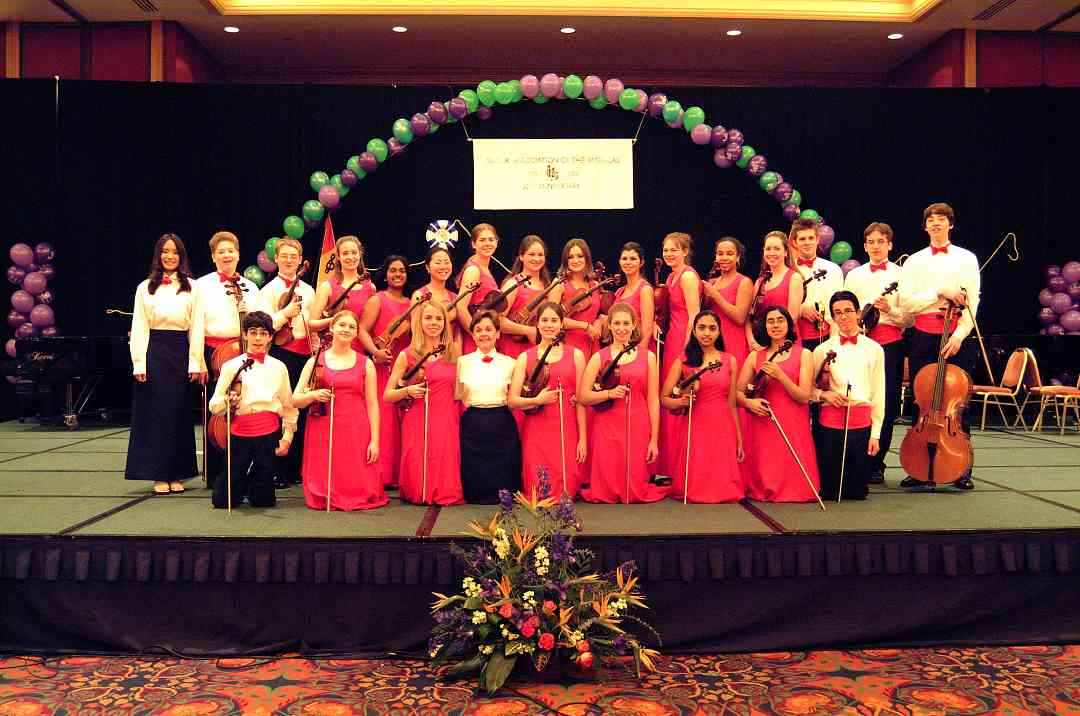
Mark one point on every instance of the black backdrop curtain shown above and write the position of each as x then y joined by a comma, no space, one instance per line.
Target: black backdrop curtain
101,169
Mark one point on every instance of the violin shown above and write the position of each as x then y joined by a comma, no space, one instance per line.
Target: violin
234,346
574,301
539,376
465,293
936,448
495,300
690,383
814,276
715,271
417,374
527,316
217,428
325,339
756,387
660,298
870,315
398,327
756,307
610,375
823,381
284,334
607,296
317,380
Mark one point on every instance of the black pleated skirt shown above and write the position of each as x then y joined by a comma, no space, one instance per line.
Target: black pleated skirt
490,454
162,444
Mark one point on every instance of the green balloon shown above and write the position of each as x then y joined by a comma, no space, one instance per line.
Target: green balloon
573,86
769,181
435,127
255,275
693,117
796,198
335,181
541,98
379,149
671,111
353,165
403,130
628,99
518,93
504,93
271,247
747,154
840,252
811,214
599,102
486,92
472,101
313,211
318,180
294,226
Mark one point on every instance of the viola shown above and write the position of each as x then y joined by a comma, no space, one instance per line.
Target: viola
936,448
234,346
398,327
284,334
417,374
756,306
217,428
824,377
690,382
527,315
317,381
539,376
610,375
495,300
660,298
756,387
870,315
577,300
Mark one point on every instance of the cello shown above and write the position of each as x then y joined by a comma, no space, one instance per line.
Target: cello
936,449
234,346
284,335
539,376
610,375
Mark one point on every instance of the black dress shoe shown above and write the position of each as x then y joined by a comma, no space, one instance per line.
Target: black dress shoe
660,480
964,483
910,481
877,477
280,483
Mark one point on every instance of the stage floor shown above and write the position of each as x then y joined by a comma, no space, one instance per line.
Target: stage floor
70,483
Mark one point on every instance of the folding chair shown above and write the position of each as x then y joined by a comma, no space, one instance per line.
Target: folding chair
1012,379
1058,397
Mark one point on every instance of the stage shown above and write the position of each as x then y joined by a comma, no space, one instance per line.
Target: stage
91,562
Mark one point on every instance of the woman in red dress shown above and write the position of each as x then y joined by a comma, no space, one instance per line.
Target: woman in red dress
636,291
429,427
349,275
440,267
729,294
784,288
773,474
516,335
623,441
380,311
477,269
583,323
352,481
544,443
707,462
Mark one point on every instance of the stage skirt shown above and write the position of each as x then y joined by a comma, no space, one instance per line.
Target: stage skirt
162,444
490,454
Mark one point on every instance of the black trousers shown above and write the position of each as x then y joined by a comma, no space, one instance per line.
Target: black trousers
215,457
287,468
894,377
253,462
829,444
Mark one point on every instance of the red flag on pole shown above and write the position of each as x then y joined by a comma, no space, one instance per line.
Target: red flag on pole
328,253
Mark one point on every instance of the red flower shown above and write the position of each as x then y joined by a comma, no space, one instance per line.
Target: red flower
534,621
527,630
547,641
582,646
586,659
549,607
506,610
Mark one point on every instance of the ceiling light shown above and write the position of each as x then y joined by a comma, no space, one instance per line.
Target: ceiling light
399,28
568,30
734,33
896,36
232,29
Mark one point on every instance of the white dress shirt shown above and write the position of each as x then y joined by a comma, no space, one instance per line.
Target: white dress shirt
861,364
820,291
271,293
168,309
220,317
264,387
868,285
484,385
925,273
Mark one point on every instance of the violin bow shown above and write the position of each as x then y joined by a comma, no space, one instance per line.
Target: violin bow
423,485
228,455
796,456
330,455
689,430
628,394
205,440
562,437
843,454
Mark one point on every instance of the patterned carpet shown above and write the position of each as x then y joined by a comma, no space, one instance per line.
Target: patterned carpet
914,682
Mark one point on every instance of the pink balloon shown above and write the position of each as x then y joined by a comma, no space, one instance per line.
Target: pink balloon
16,319
530,86
22,301
1071,271
550,85
21,255
593,87
656,104
329,197
42,316
483,112
50,331
701,134
1070,320
16,274
265,263
826,235
848,265
26,330
720,159
48,271
612,89
9,347
43,252
642,101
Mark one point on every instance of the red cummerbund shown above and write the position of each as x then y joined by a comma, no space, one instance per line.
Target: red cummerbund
215,341
254,425
833,417
884,334
301,346
934,323
809,332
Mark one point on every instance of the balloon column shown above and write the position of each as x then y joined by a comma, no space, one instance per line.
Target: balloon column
1060,300
31,311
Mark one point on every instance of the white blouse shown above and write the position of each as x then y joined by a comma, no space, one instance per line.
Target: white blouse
484,385
168,309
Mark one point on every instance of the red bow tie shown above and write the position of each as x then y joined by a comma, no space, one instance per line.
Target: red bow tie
487,359
165,280
879,267
809,263
853,340
934,250
257,357
225,278
287,281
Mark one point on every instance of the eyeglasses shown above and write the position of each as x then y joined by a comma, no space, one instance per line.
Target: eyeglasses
844,312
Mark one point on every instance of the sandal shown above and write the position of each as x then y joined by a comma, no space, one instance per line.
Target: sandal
161,488
176,486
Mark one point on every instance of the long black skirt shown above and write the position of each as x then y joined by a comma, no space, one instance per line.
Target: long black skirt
162,444
490,454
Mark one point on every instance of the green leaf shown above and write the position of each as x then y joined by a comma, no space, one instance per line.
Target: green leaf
466,668
473,604
497,671
483,631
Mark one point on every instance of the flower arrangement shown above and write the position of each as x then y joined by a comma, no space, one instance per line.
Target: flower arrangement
534,595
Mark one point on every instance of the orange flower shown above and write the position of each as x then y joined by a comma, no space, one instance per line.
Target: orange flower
549,607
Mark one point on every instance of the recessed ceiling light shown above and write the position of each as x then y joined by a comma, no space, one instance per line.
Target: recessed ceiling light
232,28
896,36
399,28
568,30
734,33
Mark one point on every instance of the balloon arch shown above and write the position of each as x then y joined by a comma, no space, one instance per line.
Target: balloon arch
729,148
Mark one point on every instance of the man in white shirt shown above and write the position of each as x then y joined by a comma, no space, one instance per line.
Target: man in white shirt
814,326
931,277
853,404
877,282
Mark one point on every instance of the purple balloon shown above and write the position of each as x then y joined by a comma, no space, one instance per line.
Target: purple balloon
1061,302
549,85
349,178
483,112
642,101
783,190
25,330
826,235
457,107
1057,284
734,136
16,319
530,86
16,274
421,124
1046,296
1047,315
328,196
848,265
43,253
757,165
657,101
677,123
1055,329
436,111
368,162
719,135
1071,271
45,297
265,263
21,255
593,87
42,316
47,270
701,134
1070,320
1051,271
9,347
1074,291
733,151
50,331
720,159
791,212
22,301
612,89
394,146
